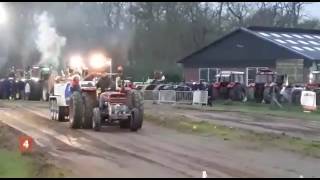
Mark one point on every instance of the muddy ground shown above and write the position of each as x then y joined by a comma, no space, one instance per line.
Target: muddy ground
153,151
38,163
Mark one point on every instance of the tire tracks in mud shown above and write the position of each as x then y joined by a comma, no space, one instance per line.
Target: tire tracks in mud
261,126
92,146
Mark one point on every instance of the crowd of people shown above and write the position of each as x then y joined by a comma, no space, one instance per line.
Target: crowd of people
14,88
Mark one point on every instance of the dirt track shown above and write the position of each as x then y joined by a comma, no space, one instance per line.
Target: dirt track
151,152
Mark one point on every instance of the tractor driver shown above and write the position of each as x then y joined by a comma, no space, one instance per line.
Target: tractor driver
104,83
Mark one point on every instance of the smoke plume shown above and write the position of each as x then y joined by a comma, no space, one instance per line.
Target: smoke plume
49,43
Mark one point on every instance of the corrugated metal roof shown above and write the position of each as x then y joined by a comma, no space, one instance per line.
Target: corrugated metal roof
304,42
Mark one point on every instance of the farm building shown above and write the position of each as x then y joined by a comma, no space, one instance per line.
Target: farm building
286,50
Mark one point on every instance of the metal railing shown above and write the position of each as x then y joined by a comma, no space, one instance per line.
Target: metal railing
176,97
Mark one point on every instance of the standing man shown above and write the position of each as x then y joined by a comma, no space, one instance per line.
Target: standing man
27,91
21,86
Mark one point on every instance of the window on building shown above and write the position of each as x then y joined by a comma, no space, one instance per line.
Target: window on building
297,48
203,74
286,35
281,41
292,42
276,35
208,74
251,73
314,43
307,36
212,74
264,34
308,48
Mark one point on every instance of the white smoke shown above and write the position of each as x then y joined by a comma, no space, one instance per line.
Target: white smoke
48,41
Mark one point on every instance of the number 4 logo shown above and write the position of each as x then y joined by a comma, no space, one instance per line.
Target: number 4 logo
25,144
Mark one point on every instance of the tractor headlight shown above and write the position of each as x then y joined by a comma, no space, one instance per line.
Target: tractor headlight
98,61
76,62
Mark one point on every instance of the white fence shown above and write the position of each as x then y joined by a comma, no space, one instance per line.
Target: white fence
200,97
184,97
176,97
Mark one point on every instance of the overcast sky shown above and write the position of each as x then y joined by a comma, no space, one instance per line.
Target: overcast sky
313,9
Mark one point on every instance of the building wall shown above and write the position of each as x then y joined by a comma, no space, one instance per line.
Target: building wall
192,74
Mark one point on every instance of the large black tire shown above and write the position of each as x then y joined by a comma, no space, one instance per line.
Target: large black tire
237,93
90,102
136,102
215,93
76,110
250,94
134,120
35,91
61,114
267,95
223,92
96,119
296,96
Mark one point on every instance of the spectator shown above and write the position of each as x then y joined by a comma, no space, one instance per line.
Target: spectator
21,86
27,91
7,88
210,98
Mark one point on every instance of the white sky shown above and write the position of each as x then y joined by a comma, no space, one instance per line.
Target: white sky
312,9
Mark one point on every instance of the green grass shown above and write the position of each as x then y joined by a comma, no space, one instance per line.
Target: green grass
202,128
289,111
17,165
13,164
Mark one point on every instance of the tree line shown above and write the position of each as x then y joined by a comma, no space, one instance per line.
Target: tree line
148,36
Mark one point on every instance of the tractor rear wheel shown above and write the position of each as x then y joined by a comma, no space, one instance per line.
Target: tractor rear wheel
96,119
250,93
215,93
35,91
223,92
237,93
296,96
90,102
76,110
267,95
61,115
136,104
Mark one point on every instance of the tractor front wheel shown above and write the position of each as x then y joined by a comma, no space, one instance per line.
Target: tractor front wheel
90,102
76,110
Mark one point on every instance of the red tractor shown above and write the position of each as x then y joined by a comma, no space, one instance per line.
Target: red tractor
229,85
266,83
260,88
119,105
